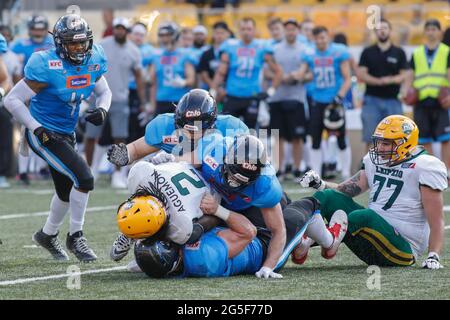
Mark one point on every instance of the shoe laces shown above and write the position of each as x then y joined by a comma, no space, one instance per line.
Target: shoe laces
56,244
81,245
123,243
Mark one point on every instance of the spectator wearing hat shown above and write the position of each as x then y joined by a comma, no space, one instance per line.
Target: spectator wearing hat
210,60
124,63
430,72
382,67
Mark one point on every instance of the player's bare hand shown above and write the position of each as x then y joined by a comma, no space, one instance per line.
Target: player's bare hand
209,204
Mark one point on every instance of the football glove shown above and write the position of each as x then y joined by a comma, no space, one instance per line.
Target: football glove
45,136
432,262
163,157
338,100
312,180
178,82
118,154
266,273
96,116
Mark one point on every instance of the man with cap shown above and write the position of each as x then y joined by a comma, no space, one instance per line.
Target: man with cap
429,74
200,46
125,62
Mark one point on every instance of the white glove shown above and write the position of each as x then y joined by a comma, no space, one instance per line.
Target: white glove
143,118
263,117
213,93
312,180
178,82
432,262
271,91
266,273
163,157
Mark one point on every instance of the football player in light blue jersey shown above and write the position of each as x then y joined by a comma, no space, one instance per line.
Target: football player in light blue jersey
56,81
330,65
38,40
180,132
172,73
3,71
241,64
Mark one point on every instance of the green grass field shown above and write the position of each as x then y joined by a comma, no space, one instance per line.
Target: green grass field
27,272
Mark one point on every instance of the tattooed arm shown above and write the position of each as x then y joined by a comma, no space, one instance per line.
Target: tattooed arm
352,187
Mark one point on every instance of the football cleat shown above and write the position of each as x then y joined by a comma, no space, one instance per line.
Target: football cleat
77,244
300,252
120,247
51,244
338,228
132,266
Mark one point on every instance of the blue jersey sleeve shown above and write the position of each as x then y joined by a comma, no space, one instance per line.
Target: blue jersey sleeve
36,68
213,143
3,45
270,188
102,60
155,130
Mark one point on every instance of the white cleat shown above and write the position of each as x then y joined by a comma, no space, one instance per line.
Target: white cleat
300,252
338,228
132,266
118,181
120,247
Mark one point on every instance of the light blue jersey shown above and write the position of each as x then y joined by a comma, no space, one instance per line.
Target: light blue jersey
26,47
209,257
169,65
245,66
3,45
161,133
325,66
147,56
265,192
56,107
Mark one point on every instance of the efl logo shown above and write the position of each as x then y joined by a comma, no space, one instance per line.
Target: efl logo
78,82
323,62
94,67
249,166
408,165
55,64
246,52
168,60
211,162
170,139
195,113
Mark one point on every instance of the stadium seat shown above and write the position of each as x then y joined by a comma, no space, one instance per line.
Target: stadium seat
398,12
331,17
304,2
437,10
355,36
287,11
356,16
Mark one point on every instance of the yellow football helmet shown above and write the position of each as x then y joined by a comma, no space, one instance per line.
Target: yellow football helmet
394,139
141,216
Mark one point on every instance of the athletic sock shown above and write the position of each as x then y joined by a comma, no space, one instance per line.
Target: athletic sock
23,164
99,152
58,210
345,159
317,230
316,160
78,203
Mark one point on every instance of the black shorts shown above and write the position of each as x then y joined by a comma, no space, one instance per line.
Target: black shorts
289,117
67,167
316,126
135,131
245,108
165,107
432,120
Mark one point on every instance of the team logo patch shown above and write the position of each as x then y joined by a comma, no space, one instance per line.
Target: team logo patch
407,128
94,67
170,139
192,114
211,162
249,166
55,65
408,165
78,82
193,246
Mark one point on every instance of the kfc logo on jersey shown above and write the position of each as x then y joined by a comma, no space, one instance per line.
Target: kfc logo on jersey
249,166
192,114
170,139
211,162
55,65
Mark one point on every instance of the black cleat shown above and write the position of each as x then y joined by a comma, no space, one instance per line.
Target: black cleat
24,179
51,244
77,244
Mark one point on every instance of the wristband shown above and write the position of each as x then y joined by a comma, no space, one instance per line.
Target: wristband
222,213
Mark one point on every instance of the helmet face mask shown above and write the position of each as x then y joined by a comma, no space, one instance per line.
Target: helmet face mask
383,152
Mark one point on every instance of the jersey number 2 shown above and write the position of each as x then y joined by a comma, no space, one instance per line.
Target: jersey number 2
176,180
390,182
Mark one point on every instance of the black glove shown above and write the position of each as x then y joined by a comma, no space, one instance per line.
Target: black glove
118,154
45,136
96,116
338,100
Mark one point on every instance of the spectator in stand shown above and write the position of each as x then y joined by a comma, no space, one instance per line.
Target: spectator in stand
108,18
382,67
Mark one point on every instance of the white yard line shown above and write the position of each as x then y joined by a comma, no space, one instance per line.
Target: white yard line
59,276
45,213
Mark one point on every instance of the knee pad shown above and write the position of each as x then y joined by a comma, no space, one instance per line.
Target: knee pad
86,184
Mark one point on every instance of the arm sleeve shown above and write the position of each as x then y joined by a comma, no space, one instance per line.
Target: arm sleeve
153,134
273,193
103,94
15,104
403,63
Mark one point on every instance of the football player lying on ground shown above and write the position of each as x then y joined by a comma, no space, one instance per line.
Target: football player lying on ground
238,248
405,215
195,115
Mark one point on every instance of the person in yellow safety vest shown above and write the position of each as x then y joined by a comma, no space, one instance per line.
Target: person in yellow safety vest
430,64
